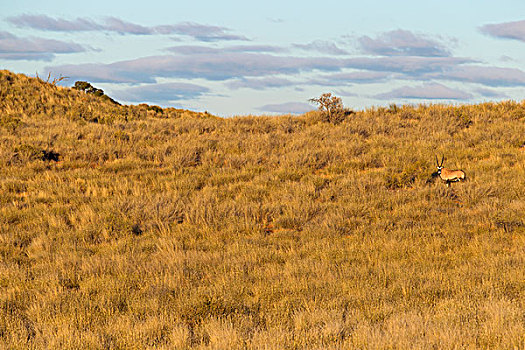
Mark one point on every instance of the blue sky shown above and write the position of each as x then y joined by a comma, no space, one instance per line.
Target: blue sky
237,57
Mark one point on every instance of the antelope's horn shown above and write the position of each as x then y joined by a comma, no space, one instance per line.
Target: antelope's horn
442,160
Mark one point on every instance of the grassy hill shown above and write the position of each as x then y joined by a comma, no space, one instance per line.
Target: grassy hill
135,227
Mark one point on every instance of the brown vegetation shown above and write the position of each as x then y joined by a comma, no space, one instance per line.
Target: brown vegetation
173,229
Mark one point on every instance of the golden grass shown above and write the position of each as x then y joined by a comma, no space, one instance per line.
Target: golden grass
179,230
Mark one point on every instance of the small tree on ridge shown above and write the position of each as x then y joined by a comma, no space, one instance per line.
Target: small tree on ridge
331,106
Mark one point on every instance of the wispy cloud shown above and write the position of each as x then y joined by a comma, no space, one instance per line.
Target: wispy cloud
161,93
430,91
506,30
275,20
490,93
34,49
343,92
339,79
201,32
27,56
118,25
490,76
214,55
322,46
207,50
288,107
255,48
46,23
260,83
403,43
102,73
410,65
223,66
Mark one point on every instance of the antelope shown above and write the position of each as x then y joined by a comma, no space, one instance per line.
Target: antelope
448,175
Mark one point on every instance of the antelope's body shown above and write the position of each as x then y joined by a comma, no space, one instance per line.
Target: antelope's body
448,175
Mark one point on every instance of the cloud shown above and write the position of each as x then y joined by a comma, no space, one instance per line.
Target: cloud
27,56
284,108
193,50
220,66
114,24
256,48
342,92
505,58
507,30
102,73
430,91
224,65
411,65
362,77
34,49
323,47
161,93
197,31
490,93
206,50
111,24
260,83
490,76
200,32
403,43
43,22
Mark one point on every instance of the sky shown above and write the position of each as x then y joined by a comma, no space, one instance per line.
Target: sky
270,57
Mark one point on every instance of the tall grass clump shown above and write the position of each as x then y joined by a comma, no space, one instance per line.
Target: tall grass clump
164,228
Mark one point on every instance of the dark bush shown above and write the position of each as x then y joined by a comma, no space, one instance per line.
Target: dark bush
82,86
90,89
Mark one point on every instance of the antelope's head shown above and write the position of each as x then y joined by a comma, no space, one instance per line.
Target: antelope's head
440,165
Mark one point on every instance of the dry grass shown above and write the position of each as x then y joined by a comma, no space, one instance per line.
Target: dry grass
174,230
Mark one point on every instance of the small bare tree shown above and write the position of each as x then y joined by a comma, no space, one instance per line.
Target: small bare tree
55,79
331,106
